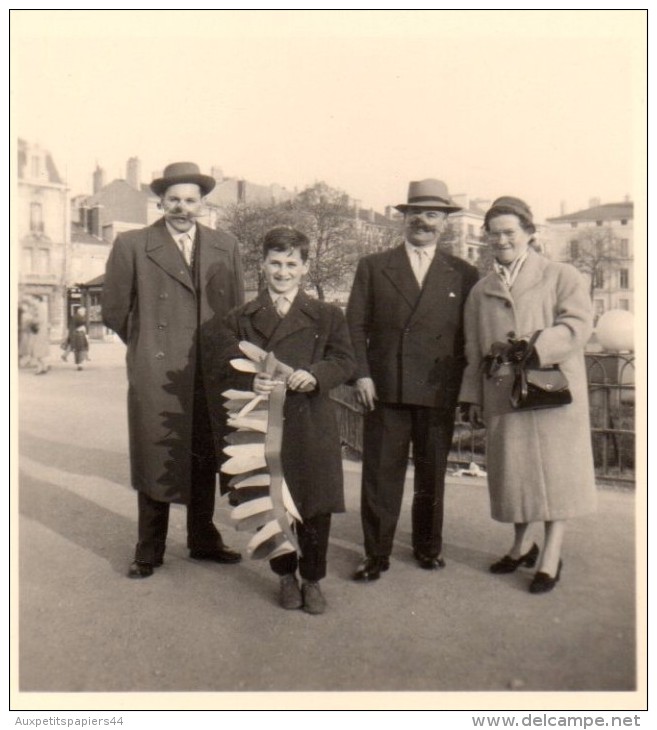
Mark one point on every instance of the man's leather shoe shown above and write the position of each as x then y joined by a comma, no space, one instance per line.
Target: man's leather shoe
371,568
289,595
140,570
429,562
221,554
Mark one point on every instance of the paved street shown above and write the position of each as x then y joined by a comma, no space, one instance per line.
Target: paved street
84,627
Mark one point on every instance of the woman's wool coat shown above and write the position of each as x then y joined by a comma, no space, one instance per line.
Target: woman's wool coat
539,463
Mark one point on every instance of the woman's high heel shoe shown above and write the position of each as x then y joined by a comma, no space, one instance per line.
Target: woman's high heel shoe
508,564
543,583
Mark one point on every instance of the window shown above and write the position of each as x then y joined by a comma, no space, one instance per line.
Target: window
598,223
470,229
36,218
599,277
574,250
471,253
625,247
624,304
624,278
36,167
43,261
599,307
27,260
623,221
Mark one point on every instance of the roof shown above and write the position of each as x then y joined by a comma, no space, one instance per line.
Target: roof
80,235
98,281
50,171
606,212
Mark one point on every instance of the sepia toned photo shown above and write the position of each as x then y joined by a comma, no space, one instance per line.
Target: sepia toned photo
327,346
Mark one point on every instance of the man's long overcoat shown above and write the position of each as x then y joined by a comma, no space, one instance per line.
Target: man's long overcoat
539,463
150,301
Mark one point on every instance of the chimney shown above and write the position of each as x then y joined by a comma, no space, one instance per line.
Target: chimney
563,208
372,215
133,173
241,191
217,173
356,209
98,179
594,202
95,227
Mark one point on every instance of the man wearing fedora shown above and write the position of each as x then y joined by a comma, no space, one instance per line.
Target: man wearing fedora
405,316
163,285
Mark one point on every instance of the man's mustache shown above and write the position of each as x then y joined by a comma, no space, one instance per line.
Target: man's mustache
423,227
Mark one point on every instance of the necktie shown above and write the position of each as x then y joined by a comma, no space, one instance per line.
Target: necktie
282,305
421,264
186,247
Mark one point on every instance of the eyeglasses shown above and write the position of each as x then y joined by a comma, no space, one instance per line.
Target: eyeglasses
510,234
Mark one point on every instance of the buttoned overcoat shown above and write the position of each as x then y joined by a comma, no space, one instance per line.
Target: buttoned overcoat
539,463
312,336
410,341
151,300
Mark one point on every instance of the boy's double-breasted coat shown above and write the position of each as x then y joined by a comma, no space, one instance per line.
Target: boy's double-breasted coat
312,336
159,306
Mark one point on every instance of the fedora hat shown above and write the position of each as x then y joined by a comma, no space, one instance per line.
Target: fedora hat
182,172
430,194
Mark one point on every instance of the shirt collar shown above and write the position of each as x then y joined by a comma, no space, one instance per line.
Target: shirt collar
290,295
177,234
429,251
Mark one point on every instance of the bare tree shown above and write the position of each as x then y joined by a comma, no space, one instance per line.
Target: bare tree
596,253
249,222
326,216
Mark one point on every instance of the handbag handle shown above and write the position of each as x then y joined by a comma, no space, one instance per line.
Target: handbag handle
530,347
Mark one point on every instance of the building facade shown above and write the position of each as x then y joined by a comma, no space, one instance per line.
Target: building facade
600,241
43,231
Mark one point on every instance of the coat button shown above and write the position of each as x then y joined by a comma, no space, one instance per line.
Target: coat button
159,356
164,296
161,326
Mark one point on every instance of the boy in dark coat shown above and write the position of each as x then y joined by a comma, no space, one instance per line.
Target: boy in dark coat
311,337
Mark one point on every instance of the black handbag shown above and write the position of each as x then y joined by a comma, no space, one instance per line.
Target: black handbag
535,388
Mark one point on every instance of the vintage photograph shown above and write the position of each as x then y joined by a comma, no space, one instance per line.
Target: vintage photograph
328,332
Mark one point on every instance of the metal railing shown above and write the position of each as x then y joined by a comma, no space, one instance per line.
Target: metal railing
611,402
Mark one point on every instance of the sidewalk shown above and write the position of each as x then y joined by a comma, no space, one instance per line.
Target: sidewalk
198,627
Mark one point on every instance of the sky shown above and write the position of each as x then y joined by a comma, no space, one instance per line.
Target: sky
549,106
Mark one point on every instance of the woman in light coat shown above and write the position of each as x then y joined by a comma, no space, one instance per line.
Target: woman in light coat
539,463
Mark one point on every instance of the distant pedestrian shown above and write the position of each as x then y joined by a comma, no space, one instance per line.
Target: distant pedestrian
79,318
79,344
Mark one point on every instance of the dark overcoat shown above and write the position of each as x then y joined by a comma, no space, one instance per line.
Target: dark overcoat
410,341
150,300
312,336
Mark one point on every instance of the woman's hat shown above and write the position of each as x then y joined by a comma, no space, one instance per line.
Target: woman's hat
430,194
508,205
182,172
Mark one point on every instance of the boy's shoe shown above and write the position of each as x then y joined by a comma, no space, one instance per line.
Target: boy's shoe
313,600
290,595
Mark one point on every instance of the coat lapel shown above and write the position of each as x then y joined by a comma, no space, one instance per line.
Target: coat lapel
162,250
529,275
442,282
302,314
399,272
263,317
